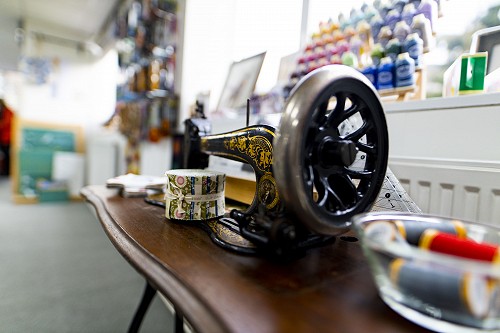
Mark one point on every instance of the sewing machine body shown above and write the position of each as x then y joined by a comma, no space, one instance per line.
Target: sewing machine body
323,164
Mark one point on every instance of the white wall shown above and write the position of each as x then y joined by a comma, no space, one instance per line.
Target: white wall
78,92
80,89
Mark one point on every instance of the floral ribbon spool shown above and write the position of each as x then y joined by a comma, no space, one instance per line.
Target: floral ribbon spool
194,195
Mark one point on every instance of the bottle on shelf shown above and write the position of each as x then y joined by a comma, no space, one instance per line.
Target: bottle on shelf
422,26
378,52
409,11
430,10
376,24
154,74
415,48
393,48
371,74
350,59
392,18
405,70
401,31
399,5
365,34
385,76
385,35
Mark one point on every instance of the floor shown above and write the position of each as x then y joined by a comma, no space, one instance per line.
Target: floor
60,273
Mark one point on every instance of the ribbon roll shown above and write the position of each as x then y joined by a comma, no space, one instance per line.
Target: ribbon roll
194,195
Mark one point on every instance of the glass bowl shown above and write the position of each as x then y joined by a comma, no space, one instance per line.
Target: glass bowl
440,273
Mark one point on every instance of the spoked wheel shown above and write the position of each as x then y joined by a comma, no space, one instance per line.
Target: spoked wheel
331,149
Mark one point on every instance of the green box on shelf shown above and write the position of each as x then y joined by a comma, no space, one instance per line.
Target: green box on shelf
472,73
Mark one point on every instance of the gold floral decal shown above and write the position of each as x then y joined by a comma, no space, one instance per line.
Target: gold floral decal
257,147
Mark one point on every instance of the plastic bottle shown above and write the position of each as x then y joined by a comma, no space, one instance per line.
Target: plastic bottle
343,22
368,12
334,26
385,35
405,70
342,46
349,31
415,2
324,29
415,48
377,54
401,31
392,18
422,26
399,5
385,77
337,36
335,59
371,74
376,24
408,12
384,8
365,34
355,16
350,59
133,17
355,45
393,49
430,10
154,74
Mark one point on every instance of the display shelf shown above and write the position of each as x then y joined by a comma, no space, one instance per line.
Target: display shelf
34,147
147,106
130,96
413,92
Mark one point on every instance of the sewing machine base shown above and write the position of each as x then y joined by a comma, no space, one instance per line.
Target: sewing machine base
239,233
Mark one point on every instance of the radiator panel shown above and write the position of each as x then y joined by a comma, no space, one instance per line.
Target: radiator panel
460,189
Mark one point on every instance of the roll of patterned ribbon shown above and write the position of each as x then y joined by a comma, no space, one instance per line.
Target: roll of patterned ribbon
194,195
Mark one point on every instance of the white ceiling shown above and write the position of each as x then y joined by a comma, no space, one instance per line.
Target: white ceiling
83,19
76,20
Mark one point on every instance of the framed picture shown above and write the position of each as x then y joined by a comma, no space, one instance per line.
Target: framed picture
240,83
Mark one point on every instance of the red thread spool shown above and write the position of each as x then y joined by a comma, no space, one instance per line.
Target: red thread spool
434,240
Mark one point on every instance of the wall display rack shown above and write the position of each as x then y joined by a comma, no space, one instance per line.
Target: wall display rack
385,41
147,106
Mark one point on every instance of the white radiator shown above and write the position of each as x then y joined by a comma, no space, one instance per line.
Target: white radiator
445,153
463,189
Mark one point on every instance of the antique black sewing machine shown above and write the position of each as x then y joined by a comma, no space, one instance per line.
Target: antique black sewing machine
324,163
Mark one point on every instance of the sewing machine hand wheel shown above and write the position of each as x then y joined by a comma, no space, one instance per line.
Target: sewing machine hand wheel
331,149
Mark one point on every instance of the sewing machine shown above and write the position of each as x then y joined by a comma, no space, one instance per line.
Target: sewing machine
325,162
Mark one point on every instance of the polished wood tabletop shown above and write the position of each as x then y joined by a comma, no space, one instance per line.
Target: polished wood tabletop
329,289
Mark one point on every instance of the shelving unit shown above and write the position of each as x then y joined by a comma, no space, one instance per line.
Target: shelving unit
414,92
147,106
34,149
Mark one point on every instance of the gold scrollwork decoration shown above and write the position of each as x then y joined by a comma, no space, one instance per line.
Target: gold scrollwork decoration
257,147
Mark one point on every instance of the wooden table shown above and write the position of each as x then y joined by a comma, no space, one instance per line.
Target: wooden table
330,289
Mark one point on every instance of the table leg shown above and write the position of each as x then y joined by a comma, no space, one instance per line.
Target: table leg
179,322
147,297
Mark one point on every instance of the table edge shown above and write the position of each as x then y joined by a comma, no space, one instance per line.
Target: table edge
185,302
